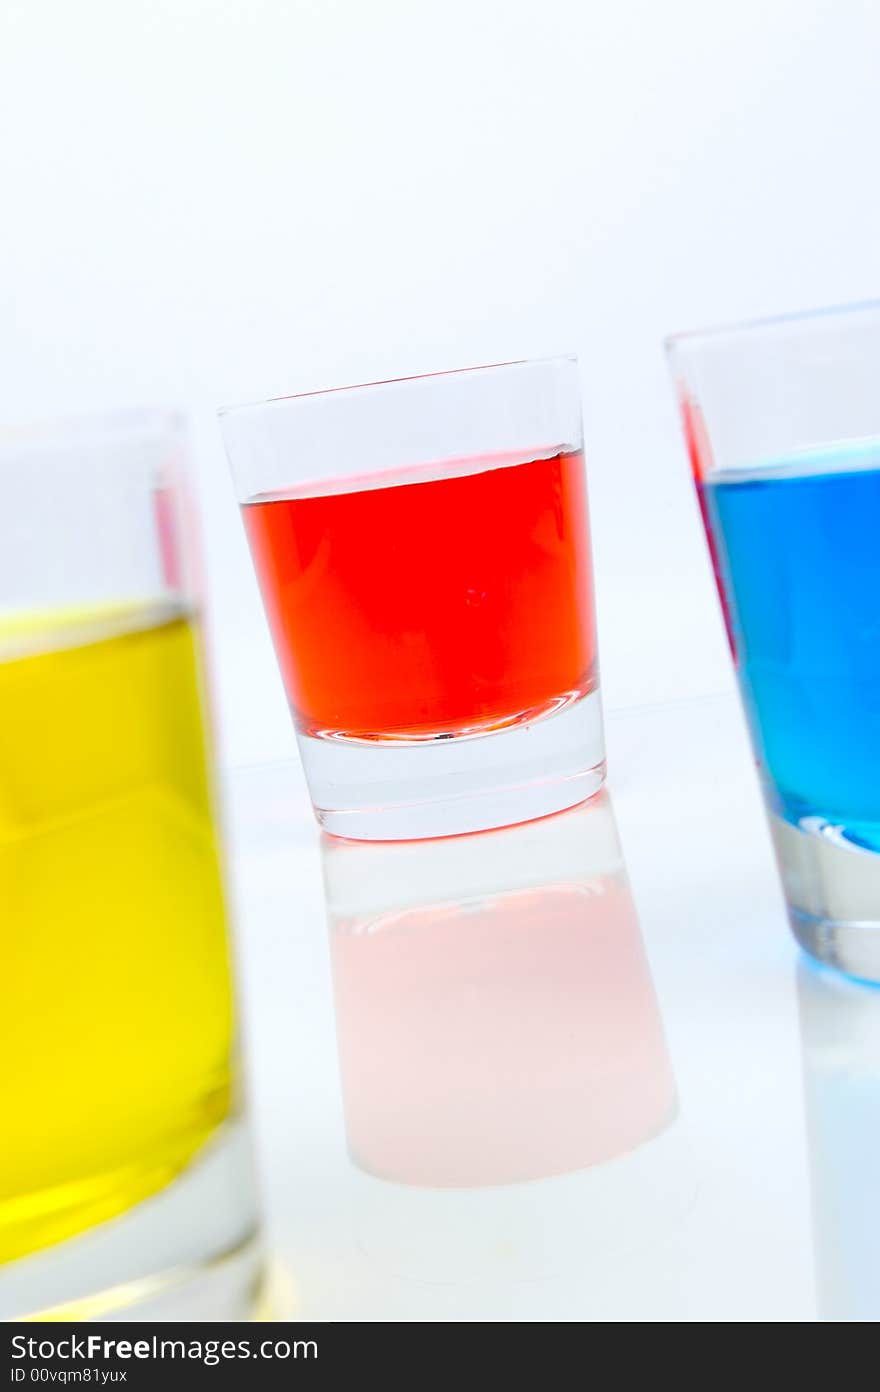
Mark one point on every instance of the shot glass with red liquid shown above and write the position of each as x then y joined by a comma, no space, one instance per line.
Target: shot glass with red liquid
423,551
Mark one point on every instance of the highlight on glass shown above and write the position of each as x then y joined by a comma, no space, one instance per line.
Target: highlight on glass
782,421
125,1170
422,547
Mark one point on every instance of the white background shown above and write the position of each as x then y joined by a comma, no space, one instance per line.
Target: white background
205,202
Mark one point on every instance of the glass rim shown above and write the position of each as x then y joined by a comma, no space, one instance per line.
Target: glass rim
123,424
354,387
732,329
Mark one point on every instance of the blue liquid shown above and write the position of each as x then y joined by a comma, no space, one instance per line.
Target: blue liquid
798,552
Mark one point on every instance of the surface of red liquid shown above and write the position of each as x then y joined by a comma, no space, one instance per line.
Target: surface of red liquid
424,608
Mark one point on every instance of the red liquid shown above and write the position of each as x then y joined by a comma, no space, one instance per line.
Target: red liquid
426,608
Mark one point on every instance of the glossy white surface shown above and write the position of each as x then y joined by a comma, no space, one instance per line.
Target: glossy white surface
712,1219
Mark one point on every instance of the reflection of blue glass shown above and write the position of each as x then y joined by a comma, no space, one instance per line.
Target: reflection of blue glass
798,545
840,1036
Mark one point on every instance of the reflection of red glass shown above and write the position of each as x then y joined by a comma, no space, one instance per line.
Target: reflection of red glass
164,508
433,606
498,1040
702,463
696,437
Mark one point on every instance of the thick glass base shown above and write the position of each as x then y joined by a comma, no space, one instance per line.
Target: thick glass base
189,1252
378,791
833,891
852,948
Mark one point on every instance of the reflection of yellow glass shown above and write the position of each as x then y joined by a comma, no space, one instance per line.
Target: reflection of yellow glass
117,1017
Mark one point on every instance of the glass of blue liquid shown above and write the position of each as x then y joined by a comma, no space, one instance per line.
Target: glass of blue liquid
782,423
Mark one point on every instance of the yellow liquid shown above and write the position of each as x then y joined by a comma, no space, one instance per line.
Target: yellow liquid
115,1002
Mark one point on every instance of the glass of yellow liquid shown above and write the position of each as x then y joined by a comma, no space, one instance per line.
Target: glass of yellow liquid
125,1172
